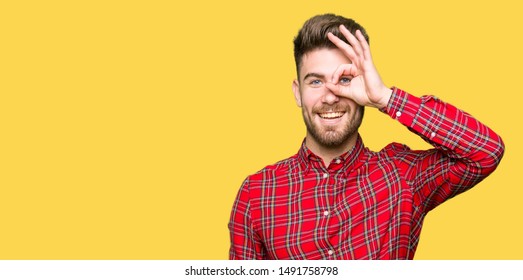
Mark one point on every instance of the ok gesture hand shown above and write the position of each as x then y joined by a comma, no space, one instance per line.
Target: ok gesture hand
365,86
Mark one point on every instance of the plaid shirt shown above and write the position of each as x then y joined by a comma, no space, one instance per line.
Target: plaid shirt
365,204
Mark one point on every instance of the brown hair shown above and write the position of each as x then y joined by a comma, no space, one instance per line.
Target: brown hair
313,34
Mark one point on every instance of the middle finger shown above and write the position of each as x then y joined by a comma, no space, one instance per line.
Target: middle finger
356,45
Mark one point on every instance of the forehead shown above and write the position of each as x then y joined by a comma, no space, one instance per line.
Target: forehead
322,61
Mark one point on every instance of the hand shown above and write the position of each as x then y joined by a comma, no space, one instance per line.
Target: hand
365,87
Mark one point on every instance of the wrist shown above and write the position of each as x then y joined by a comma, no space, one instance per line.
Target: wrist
384,100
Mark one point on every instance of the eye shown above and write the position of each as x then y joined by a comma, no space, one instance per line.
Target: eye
344,80
315,83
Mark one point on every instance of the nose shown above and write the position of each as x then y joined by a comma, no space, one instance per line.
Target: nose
329,97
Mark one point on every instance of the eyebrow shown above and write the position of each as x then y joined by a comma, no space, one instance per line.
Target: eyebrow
312,74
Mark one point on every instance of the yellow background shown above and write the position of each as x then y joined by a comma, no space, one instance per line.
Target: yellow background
127,127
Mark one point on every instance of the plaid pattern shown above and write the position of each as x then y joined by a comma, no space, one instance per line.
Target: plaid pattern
365,204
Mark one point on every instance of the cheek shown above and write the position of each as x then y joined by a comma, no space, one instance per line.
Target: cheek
308,105
310,100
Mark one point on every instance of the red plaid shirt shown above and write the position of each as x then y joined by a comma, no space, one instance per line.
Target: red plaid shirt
365,204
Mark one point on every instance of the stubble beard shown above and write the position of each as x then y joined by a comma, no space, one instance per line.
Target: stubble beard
330,137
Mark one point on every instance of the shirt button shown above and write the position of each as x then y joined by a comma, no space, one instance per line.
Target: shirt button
326,213
325,175
330,252
398,114
433,134
338,161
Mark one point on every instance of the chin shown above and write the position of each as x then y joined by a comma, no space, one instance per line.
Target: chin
333,138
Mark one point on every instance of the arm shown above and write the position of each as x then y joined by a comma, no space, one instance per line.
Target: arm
245,244
466,151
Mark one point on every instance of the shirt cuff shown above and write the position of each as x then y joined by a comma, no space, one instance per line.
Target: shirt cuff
414,113
402,106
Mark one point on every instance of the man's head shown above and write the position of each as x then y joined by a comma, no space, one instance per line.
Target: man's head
331,120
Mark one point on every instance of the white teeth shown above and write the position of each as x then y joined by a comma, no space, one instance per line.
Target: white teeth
331,115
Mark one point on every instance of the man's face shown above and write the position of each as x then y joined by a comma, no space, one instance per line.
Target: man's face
331,120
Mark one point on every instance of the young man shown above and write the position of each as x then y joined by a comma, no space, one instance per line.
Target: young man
336,199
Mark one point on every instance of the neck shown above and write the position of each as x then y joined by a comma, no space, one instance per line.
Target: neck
328,153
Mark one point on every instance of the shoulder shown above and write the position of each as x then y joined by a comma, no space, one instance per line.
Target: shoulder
279,168
404,158
394,150
401,152
273,174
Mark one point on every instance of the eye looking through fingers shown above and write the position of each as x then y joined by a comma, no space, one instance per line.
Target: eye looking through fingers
344,81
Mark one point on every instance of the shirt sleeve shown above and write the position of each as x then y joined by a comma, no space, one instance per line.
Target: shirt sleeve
245,244
466,151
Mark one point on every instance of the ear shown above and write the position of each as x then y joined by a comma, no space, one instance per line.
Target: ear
296,90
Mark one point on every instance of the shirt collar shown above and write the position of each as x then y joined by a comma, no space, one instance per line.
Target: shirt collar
307,159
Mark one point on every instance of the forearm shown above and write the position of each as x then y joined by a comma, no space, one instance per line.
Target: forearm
456,133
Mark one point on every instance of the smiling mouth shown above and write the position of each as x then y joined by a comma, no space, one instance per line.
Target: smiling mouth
331,115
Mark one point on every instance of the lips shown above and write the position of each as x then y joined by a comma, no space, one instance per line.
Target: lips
331,115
